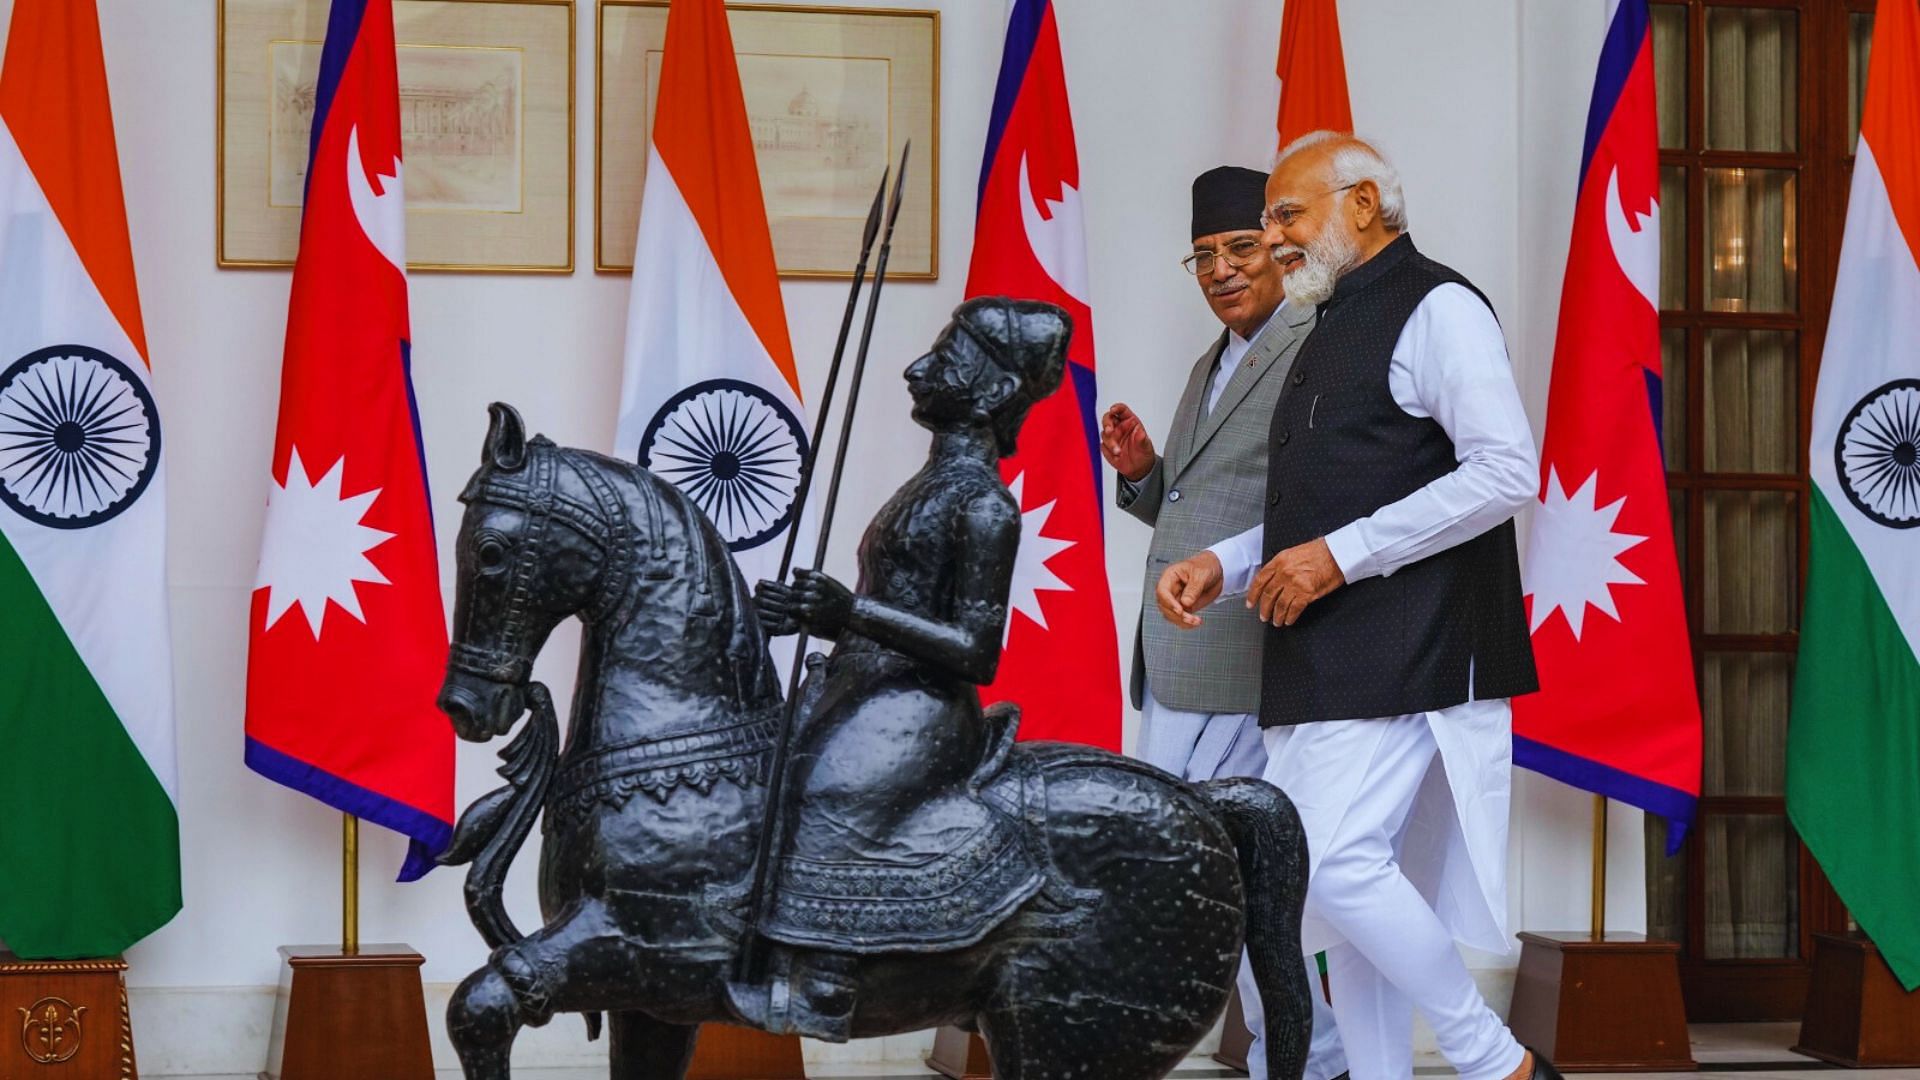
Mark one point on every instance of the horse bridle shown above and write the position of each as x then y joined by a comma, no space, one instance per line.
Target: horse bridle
601,523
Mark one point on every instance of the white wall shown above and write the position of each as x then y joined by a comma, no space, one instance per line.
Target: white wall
1161,91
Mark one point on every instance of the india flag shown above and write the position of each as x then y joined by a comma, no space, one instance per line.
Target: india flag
710,399
1853,749
89,836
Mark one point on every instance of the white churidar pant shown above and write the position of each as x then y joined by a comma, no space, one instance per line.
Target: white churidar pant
1207,746
1405,860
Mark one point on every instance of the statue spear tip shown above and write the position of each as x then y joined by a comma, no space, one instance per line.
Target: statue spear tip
873,215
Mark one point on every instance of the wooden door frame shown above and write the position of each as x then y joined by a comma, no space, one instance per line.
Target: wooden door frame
1760,989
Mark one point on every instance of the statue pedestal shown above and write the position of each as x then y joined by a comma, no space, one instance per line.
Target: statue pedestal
1857,1013
64,1020
960,1055
340,1015
726,1052
1601,1006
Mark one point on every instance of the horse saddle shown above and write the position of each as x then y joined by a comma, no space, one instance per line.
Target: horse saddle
991,857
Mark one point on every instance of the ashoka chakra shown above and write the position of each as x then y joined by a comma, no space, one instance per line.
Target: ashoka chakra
1878,454
79,436
736,450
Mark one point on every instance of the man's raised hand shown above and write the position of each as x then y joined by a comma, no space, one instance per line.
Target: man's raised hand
1188,586
1125,444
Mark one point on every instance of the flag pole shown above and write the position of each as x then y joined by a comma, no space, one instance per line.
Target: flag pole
751,956
1599,868
350,885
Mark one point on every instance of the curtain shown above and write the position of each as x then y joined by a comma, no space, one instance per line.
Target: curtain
1859,47
1749,411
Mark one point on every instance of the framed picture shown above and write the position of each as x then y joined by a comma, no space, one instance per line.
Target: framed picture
832,96
486,117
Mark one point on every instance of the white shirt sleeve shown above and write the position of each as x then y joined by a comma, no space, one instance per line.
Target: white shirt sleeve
1239,557
1450,364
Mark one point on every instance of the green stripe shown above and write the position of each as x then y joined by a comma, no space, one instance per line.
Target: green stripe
89,841
1853,747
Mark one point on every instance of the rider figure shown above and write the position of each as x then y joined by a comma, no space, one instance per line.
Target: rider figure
886,846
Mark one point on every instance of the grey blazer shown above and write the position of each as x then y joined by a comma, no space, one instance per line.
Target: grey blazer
1210,483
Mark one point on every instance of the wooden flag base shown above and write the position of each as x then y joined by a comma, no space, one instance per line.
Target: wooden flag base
726,1052
341,1014
72,1020
1601,1006
1235,1039
960,1055
1857,1013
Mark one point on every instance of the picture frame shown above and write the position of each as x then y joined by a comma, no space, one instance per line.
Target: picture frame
487,112
833,94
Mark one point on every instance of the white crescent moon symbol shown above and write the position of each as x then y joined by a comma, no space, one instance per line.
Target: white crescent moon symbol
383,216
1636,242
1059,240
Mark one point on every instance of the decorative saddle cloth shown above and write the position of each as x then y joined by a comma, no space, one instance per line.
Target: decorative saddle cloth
949,901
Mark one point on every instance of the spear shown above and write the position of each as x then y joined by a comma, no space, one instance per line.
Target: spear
859,373
751,953
833,376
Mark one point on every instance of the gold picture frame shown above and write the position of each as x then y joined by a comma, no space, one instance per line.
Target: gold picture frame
834,93
487,93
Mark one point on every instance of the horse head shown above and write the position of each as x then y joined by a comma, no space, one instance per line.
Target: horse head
535,547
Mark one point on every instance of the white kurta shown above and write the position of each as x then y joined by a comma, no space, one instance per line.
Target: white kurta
1450,363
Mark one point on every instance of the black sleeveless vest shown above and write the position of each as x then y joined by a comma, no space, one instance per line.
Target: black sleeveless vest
1340,449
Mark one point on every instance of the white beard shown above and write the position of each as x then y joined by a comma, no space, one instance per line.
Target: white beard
1325,258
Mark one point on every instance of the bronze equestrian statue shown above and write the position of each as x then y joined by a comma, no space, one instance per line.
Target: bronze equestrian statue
1084,912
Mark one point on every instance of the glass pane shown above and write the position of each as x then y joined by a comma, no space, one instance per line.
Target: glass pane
1752,57
1666,885
1745,698
1859,47
1752,407
1752,571
1752,262
1753,903
1673,238
1673,397
1670,74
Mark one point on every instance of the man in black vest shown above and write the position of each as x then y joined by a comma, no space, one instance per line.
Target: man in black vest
1387,573
1198,693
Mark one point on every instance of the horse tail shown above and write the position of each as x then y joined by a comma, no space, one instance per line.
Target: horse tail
493,829
1272,846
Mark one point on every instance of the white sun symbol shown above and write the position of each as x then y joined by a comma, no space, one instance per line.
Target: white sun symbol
1576,554
315,548
1030,574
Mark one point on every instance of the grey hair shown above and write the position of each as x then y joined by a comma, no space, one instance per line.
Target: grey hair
1352,162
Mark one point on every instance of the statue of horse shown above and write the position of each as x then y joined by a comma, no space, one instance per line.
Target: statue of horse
1114,967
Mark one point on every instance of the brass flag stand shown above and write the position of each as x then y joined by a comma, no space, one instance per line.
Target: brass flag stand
349,1010
1597,931
349,885
1600,1001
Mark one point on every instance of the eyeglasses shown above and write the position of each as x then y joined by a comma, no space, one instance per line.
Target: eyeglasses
1286,213
1237,254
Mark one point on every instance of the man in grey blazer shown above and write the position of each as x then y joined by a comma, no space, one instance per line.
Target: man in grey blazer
1198,690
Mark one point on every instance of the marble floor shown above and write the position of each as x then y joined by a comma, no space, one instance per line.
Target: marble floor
1753,1051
